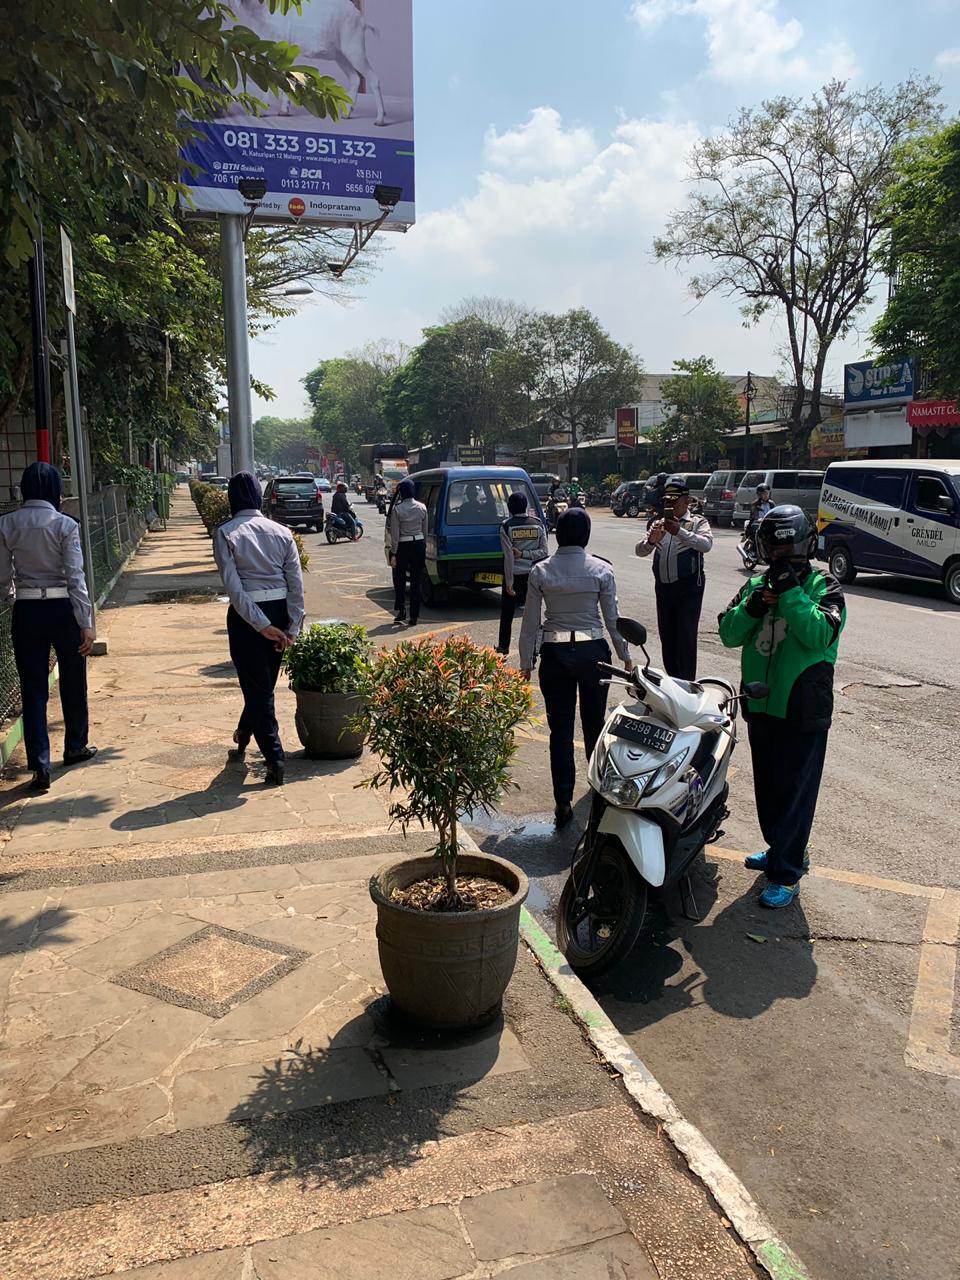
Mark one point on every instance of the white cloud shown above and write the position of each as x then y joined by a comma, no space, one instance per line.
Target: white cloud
542,145
948,57
748,41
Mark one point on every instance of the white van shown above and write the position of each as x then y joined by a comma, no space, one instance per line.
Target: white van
901,516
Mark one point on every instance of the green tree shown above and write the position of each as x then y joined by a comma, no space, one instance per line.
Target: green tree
103,79
282,442
346,397
579,374
786,213
921,251
701,410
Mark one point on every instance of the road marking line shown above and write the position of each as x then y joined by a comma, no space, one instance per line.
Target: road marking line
928,1041
863,879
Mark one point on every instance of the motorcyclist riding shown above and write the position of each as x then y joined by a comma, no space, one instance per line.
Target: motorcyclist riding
787,622
340,506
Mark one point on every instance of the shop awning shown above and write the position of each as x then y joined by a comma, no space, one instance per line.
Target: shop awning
933,413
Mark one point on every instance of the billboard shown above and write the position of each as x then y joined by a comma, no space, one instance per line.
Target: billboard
869,383
318,170
627,427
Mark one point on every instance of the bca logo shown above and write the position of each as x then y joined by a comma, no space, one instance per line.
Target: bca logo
293,171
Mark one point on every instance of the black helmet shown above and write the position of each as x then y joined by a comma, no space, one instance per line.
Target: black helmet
785,533
762,488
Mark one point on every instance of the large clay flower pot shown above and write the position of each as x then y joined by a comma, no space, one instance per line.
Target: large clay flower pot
447,969
323,723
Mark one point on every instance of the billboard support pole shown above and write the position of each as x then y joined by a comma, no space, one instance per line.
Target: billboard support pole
233,265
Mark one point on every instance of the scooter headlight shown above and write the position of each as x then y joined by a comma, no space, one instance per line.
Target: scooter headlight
624,792
668,770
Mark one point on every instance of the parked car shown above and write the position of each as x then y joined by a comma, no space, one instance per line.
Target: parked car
696,482
541,481
218,482
628,499
465,506
324,485
718,497
802,488
295,501
898,516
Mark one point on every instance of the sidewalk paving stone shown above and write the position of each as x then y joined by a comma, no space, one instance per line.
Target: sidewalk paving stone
541,1218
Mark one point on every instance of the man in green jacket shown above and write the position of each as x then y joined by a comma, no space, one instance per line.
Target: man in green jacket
787,621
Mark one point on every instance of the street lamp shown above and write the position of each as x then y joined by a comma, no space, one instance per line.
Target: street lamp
298,291
749,395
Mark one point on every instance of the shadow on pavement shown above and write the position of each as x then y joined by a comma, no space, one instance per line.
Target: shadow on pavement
45,928
222,794
302,1119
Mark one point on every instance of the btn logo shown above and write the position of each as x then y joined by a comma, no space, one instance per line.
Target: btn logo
297,207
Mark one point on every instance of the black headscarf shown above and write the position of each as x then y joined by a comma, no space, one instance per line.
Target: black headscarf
41,480
517,503
573,528
406,489
244,492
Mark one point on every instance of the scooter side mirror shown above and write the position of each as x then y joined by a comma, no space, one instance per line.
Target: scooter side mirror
756,690
633,632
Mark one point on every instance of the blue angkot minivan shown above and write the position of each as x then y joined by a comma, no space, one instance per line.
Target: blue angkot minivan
465,507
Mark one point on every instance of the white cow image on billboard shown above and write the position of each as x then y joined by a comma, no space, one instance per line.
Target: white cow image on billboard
336,32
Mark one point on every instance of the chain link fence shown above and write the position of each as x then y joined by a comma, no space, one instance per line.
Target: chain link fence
115,529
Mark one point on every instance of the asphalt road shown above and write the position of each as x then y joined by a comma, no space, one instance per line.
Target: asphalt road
794,1055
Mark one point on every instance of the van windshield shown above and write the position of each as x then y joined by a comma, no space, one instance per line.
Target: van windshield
482,501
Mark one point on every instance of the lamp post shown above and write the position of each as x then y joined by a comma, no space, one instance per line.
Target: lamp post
749,395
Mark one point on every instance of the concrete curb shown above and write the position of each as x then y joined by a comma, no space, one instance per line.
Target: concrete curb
748,1219
14,735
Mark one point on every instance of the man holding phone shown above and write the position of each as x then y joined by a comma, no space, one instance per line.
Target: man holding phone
678,541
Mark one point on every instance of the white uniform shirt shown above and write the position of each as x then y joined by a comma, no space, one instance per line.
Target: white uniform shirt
573,588
408,521
257,554
40,547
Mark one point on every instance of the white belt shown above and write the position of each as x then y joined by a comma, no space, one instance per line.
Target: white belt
410,537
569,637
42,593
271,593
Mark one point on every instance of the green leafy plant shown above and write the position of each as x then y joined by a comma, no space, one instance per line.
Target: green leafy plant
329,657
612,480
442,716
301,551
214,508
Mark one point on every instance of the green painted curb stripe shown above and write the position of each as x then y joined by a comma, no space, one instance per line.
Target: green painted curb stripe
781,1261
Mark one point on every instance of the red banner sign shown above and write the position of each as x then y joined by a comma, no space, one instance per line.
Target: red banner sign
933,413
627,427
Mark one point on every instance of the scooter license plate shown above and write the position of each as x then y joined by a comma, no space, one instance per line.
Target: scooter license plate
643,733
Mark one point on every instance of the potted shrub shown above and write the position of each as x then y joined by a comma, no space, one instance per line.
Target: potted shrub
442,716
327,666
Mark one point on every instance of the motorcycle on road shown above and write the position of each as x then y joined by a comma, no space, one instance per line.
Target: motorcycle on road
335,527
658,782
556,506
747,548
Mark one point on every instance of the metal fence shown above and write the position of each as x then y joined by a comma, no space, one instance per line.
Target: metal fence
115,529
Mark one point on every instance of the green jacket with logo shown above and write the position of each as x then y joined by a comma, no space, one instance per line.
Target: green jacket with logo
790,646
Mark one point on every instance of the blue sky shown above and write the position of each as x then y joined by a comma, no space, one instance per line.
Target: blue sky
551,137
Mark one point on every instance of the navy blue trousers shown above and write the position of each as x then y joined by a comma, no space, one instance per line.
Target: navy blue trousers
258,666
566,671
509,606
678,617
39,626
787,768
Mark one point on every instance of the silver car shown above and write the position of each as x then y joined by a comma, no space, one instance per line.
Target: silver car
801,488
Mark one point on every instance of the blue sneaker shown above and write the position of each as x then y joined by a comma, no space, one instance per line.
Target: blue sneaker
758,861
778,895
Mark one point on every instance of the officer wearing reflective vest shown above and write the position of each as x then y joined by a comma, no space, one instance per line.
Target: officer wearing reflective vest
40,556
787,621
678,541
523,541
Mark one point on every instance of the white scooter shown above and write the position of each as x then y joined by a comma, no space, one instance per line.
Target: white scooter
658,778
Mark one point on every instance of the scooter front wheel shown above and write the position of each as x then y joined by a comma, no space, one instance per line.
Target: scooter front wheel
331,536
601,911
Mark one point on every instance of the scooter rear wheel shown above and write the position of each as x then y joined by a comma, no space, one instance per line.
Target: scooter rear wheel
598,923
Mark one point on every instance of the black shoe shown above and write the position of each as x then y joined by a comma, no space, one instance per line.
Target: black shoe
78,757
413,622
238,752
562,815
400,618
41,781
504,653
274,773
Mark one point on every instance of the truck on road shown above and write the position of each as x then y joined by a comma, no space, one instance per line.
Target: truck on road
382,465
